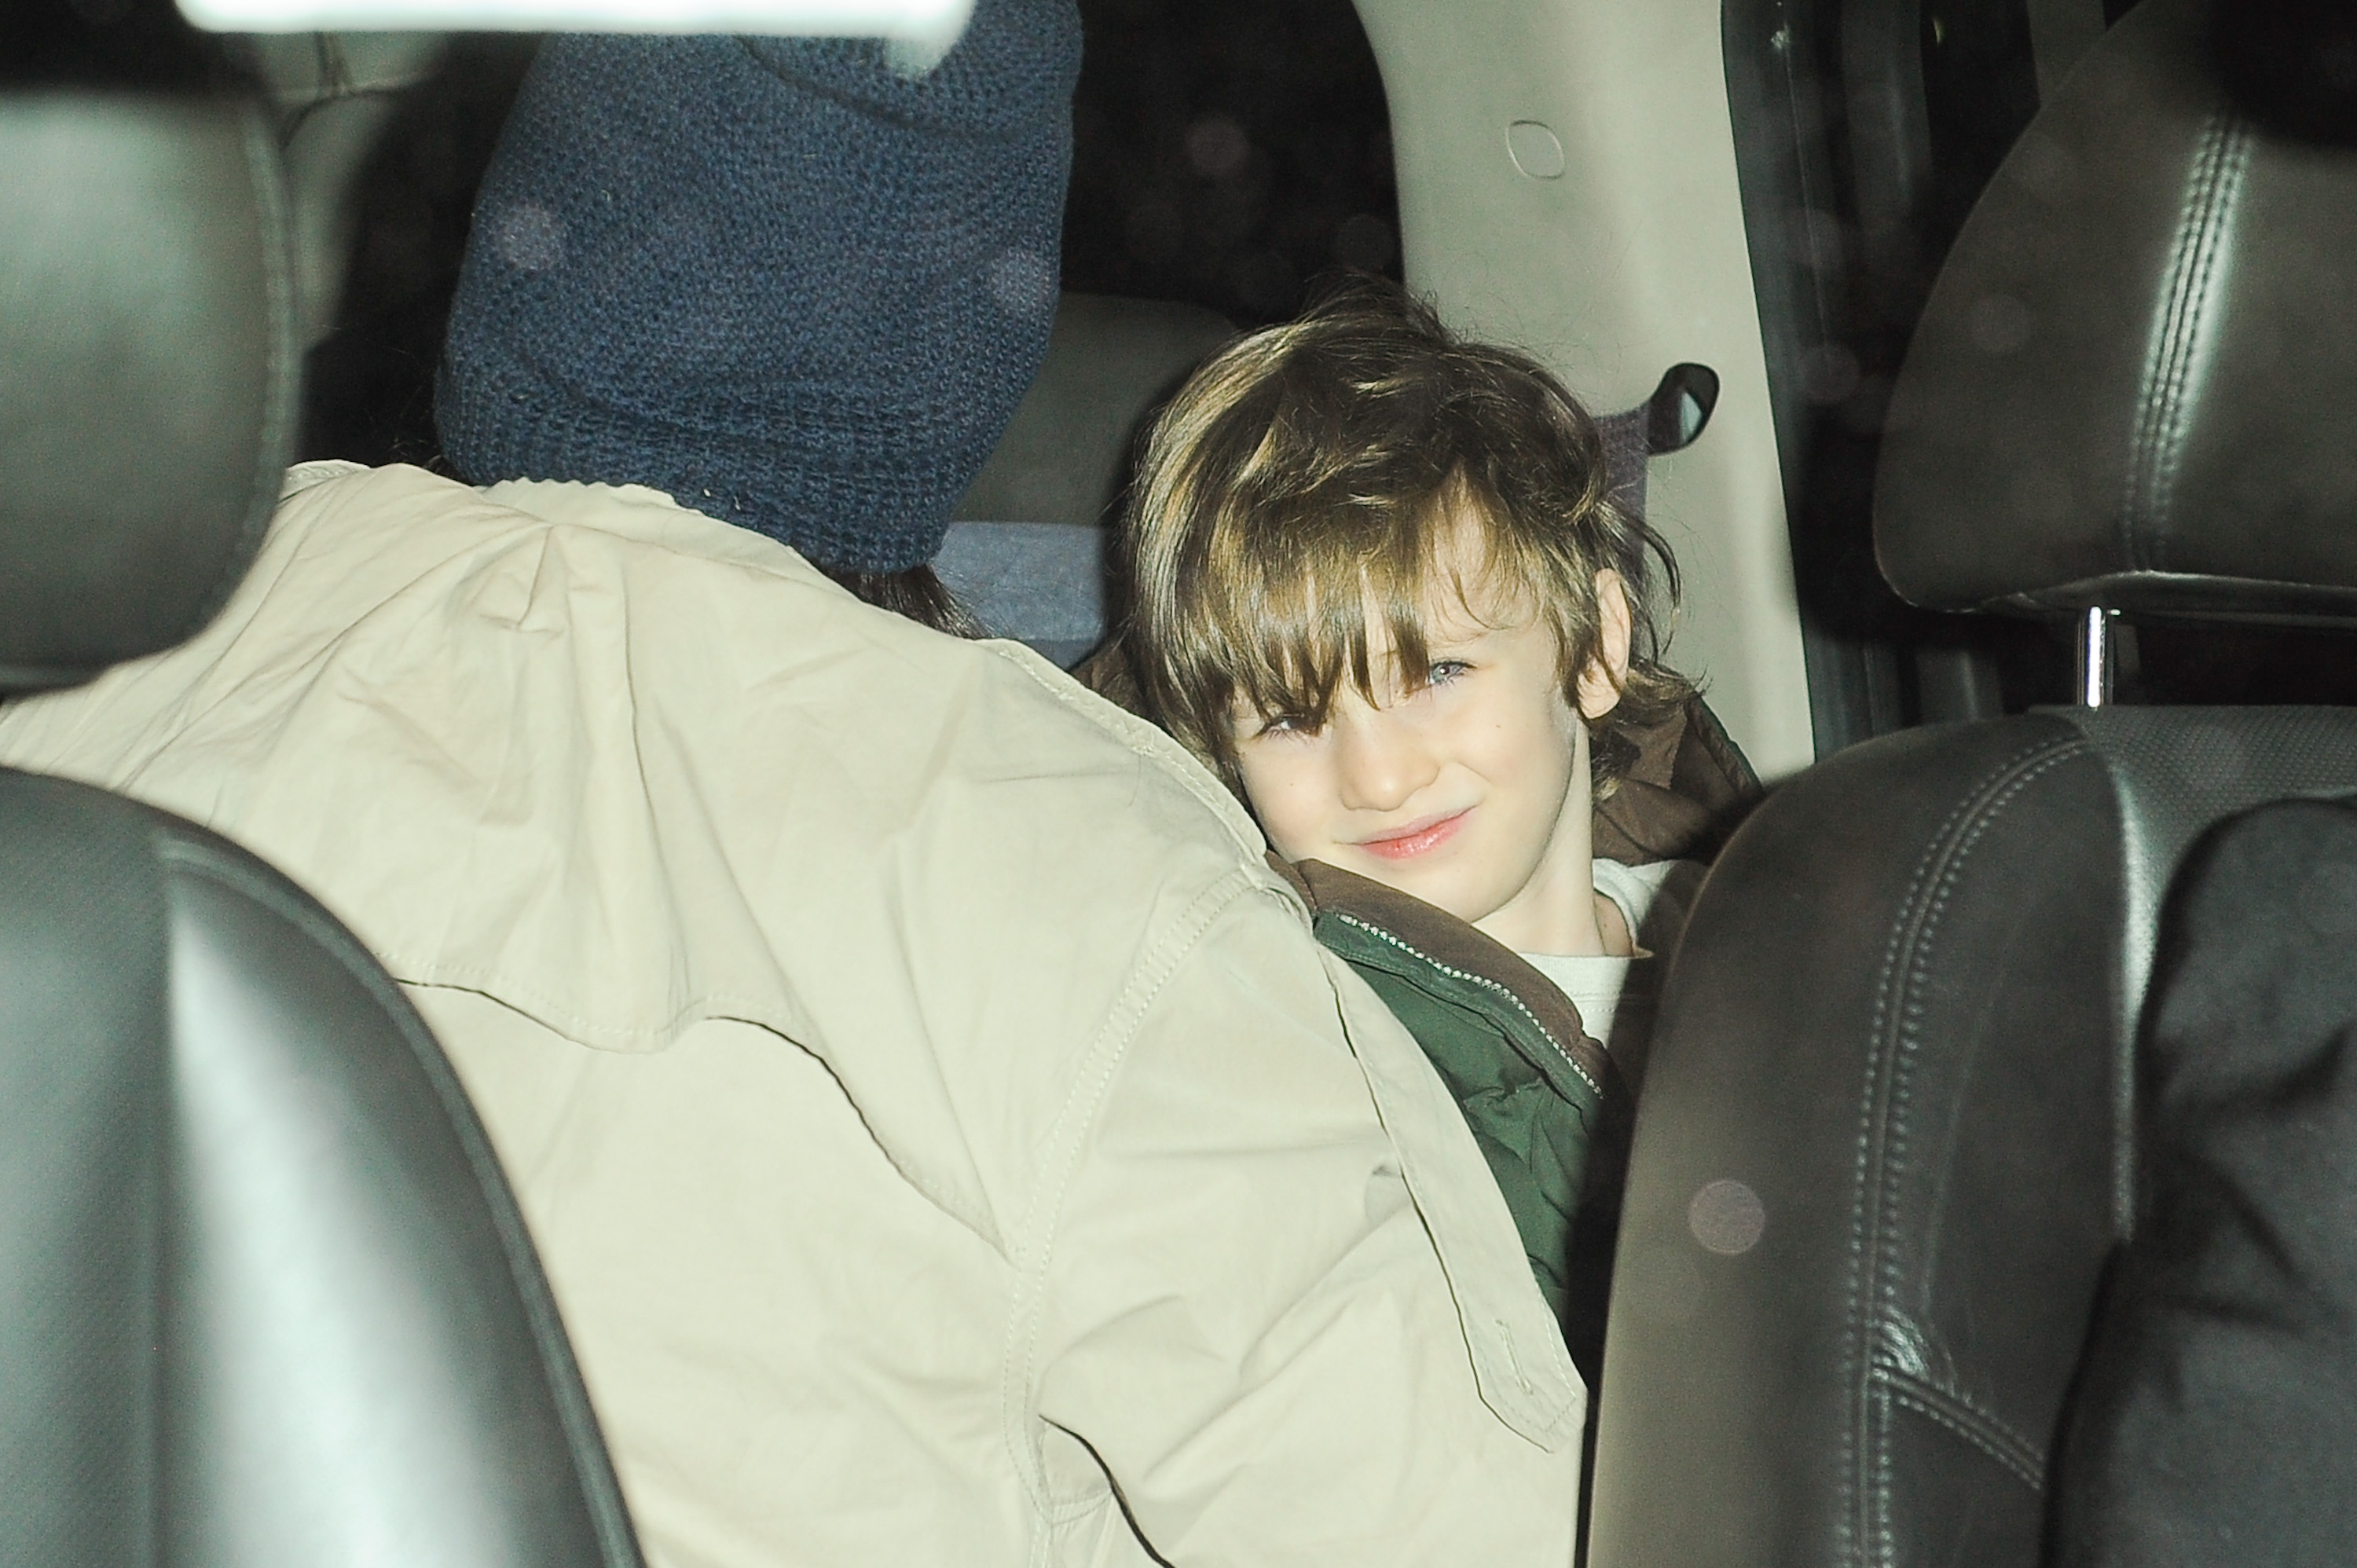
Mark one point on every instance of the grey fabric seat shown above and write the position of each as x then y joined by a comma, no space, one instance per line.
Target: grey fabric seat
268,1299
1042,584
1887,1144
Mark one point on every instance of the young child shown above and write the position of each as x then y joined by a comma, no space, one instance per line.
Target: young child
1379,586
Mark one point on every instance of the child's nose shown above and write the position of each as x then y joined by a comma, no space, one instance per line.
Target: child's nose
1381,762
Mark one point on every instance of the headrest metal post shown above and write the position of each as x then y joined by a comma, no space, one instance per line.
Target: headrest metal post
2096,662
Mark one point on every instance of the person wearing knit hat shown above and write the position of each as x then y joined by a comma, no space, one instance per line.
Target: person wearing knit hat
783,281
943,1137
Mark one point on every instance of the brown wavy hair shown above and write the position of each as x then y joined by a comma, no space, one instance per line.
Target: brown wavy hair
1305,480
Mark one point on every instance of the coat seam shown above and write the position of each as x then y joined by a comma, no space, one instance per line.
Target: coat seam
1033,1253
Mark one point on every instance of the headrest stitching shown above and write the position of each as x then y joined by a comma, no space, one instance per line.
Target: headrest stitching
2173,356
281,387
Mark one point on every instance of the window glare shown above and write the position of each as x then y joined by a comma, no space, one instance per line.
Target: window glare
933,22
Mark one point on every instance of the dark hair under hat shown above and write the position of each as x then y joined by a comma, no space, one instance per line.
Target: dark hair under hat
776,278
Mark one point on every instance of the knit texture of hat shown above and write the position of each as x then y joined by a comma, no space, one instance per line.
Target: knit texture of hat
773,277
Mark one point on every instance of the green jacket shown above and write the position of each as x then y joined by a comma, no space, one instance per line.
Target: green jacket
1547,1105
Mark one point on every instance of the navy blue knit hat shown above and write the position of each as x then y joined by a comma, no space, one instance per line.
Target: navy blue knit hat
773,277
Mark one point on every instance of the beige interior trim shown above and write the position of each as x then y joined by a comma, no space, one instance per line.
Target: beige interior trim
1631,259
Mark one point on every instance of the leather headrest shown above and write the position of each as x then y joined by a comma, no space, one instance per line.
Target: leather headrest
2135,382
148,371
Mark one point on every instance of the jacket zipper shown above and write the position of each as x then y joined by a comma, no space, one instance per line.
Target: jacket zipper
1483,981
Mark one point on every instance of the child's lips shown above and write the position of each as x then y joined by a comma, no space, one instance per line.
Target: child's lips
1418,837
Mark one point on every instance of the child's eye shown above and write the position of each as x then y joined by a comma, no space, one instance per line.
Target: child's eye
1287,724
1444,670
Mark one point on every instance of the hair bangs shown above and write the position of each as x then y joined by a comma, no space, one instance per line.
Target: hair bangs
1347,592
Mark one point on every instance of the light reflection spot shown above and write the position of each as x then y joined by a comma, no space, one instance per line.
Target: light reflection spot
528,237
1727,1216
1023,283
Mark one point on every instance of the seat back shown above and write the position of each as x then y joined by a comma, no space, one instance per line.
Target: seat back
270,1302
267,1297
1886,1146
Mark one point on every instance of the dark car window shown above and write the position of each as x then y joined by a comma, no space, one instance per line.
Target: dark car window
1865,130
1226,152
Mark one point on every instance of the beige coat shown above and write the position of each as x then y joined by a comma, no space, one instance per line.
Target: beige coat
932,1113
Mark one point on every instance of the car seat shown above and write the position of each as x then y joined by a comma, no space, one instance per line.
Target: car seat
267,1298
1886,1149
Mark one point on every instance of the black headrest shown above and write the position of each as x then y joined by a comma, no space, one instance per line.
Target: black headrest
148,370
2135,382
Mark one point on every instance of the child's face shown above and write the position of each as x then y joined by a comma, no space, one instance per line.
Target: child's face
1469,790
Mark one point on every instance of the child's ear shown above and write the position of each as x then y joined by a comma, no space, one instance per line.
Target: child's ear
1600,682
